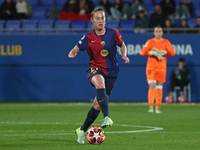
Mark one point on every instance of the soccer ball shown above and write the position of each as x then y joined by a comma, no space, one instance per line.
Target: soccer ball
95,135
168,99
182,99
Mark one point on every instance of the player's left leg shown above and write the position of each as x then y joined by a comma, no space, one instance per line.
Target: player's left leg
160,77
159,95
109,84
151,79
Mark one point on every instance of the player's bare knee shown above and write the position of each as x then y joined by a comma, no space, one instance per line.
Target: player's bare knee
100,86
152,84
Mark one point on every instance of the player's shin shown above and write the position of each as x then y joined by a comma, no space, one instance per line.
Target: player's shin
151,97
103,101
159,95
91,116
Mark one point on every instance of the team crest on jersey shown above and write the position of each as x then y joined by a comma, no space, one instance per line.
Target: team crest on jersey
103,43
104,52
163,45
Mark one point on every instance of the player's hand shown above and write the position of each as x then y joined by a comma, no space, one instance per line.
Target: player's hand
127,61
162,52
155,53
71,55
159,52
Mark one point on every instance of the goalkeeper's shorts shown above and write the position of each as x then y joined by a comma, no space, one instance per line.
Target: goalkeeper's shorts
156,75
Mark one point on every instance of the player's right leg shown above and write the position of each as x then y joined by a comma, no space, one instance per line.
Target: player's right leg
151,79
91,117
81,136
151,95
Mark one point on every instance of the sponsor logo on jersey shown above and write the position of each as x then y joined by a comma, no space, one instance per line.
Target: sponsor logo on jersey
104,52
93,41
103,43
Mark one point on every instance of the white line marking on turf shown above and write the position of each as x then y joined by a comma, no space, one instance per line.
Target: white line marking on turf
146,129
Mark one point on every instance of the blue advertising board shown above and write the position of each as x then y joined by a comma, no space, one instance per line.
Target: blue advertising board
36,68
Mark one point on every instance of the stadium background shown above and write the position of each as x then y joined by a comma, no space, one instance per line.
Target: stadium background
35,67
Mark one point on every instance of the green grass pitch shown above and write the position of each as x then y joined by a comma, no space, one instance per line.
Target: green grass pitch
51,126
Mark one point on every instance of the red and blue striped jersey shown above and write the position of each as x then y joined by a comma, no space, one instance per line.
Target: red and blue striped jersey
102,50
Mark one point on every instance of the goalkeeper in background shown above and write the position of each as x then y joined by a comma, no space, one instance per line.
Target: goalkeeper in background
156,49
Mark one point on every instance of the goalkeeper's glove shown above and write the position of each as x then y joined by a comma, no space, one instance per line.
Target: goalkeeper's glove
161,52
155,53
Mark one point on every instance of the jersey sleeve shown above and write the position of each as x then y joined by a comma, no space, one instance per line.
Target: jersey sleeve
83,43
170,49
146,48
118,38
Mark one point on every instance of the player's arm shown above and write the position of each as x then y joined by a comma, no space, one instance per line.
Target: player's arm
146,49
121,44
170,49
124,53
74,52
81,46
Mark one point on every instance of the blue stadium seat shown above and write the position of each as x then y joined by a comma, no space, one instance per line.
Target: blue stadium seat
34,3
1,2
130,1
12,25
197,12
178,1
96,2
156,2
127,24
79,24
60,3
2,25
192,22
147,3
195,2
30,24
39,14
47,3
178,22
47,25
112,1
112,24
90,25
62,25
150,10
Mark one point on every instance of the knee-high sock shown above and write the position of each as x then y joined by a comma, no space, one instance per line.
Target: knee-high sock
91,116
159,95
103,101
151,97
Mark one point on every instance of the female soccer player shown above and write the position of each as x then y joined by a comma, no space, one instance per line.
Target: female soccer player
157,49
101,47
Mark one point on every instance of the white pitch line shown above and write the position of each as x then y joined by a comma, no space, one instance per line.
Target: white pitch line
146,129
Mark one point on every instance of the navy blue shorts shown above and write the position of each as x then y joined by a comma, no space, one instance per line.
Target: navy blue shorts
109,82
